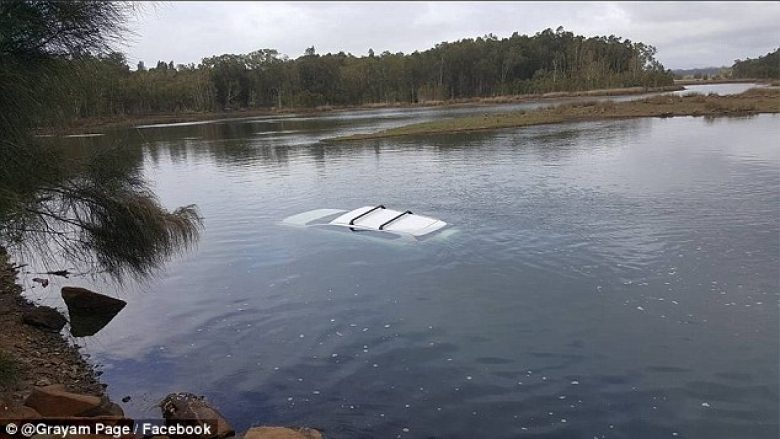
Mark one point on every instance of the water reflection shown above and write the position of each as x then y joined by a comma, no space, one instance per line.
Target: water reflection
268,138
86,206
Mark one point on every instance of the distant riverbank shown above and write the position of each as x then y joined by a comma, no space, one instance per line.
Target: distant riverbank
757,100
108,123
684,82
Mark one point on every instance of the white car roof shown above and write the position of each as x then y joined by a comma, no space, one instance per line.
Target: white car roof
377,218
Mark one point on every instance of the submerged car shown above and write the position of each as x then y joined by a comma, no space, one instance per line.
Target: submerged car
395,223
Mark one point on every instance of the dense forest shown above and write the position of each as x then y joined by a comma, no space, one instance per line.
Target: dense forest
767,66
105,85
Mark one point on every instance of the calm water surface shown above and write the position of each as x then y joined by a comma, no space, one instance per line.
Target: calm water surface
608,279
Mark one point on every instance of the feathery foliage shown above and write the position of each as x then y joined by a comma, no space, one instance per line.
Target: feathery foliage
88,211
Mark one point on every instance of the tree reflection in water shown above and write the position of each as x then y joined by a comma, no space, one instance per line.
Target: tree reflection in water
94,211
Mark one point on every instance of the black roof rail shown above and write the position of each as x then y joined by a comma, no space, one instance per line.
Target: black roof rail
394,218
352,221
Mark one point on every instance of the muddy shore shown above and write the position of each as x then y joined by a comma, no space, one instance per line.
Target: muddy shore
31,356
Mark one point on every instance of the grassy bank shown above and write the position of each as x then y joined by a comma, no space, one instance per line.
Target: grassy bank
750,102
108,123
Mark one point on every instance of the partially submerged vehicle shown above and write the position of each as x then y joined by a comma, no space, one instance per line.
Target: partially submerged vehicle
392,223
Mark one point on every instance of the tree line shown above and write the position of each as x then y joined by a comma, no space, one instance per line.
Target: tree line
105,85
767,66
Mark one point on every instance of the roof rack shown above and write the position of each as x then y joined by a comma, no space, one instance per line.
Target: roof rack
352,221
408,212
370,218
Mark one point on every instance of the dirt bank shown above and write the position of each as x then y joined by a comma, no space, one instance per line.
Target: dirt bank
30,356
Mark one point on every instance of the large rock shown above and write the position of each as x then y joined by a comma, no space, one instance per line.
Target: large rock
282,433
57,387
44,317
84,324
106,408
82,299
54,401
89,311
187,408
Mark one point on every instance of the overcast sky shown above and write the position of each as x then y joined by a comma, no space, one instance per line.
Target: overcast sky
687,34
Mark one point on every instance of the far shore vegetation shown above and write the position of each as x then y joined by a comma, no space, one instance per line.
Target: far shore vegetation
104,85
102,91
764,67
753,101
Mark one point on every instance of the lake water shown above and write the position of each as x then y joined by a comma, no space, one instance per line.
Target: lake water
721,89
610,279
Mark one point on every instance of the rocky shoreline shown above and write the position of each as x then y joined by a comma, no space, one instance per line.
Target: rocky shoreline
43,376
35,356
